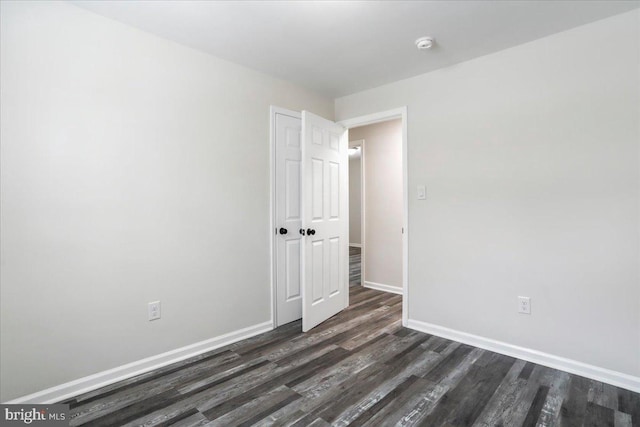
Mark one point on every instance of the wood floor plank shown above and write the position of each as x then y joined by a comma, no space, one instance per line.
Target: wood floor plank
404,400
574,406
603,395
290,377
364,394
437,344
207,396
621,419
524,396
195,420
255,409
351,392
355,259
281,418
280,350
341,371
193,366
372,299
356,292
531,420
288,330
629,403
117,399
319,422
526,371
410,410
387,403
414,364
304,374
558,390
221,376
466,400
599,416
351,318
372,330
449,363
504,398
364,296
133,411
361,367
322,388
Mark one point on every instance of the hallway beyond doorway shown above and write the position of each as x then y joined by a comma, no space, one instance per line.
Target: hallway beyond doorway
355,256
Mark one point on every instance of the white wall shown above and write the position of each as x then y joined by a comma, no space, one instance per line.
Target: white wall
531,161
133,169
355,199
383,204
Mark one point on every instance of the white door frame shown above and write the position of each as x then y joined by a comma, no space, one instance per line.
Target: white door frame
361,143
273,110
383,116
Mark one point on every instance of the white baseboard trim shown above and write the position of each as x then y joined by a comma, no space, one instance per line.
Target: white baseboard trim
383,287
355,245
104,378
615,378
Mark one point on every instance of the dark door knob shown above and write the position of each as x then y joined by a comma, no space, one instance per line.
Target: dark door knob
302,231
310,231
283,230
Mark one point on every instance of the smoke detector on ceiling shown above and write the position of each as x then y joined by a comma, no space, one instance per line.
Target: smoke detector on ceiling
424,43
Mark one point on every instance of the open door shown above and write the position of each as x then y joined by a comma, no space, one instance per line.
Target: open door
325,289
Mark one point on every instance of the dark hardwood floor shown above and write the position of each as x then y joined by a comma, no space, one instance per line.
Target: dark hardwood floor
359,368
354,266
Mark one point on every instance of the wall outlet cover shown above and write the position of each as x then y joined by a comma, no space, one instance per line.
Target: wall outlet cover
524,305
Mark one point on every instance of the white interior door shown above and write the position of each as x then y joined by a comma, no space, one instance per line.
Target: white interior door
288,218
325,289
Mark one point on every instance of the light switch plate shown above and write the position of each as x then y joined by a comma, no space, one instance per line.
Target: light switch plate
422,192
154,310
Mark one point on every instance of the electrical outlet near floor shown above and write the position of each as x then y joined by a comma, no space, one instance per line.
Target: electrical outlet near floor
524,305
154,310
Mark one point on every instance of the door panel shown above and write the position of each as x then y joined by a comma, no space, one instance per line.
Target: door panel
288,172
334,191
317,181
293,279
325,289
317,271
334,265
292,190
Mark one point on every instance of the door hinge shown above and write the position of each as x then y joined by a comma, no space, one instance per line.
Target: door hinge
402,230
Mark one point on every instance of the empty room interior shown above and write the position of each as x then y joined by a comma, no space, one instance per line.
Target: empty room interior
314,213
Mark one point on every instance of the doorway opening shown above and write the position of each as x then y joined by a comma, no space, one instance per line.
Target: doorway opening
375,206
300,280
398,114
